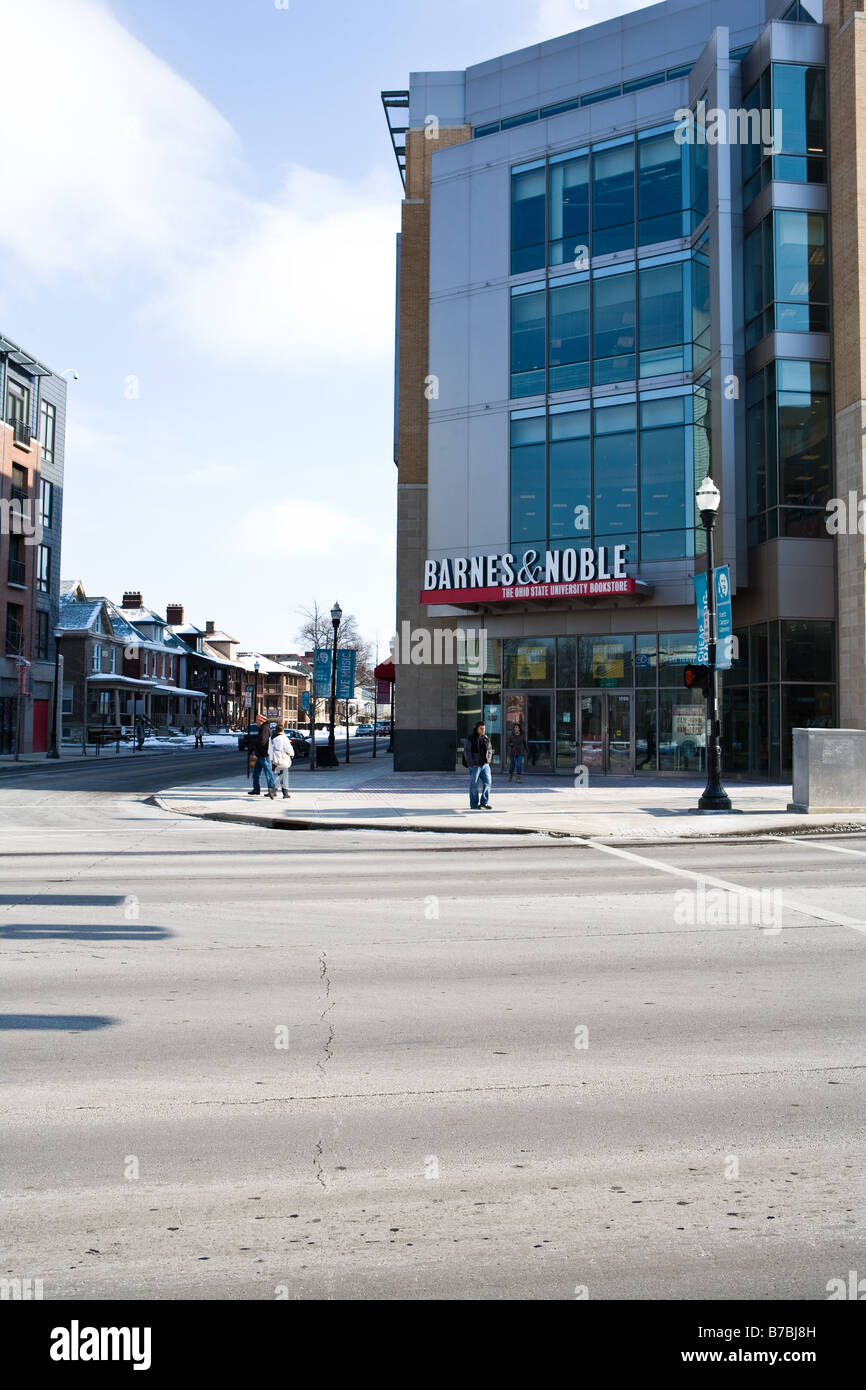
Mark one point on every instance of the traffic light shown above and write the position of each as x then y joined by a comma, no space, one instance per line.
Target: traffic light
697,678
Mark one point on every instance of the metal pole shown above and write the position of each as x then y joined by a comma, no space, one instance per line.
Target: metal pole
332,752
347,731
715,798
54,751
375,706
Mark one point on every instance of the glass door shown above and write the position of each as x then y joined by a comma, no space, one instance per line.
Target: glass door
533,711
606,732
620,742
539,731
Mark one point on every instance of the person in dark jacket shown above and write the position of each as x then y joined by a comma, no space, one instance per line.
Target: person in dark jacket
262,748
478,752
518,749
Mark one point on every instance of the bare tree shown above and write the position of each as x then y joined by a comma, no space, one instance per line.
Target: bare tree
317,631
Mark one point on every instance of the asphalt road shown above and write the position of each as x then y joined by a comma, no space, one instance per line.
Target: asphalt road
239,1062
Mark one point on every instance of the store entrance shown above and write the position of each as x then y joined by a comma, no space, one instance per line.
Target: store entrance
607,732
533,711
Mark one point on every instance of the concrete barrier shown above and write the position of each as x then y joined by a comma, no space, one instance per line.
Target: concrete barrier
829,770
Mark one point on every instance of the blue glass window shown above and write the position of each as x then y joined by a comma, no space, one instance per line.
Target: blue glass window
662,188
615,475
569,210
663,316
569,336
527,343
528,482
613,328
613,173
570,477
527,219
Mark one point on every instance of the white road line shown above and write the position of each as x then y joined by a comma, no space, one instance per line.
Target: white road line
815,844
791,904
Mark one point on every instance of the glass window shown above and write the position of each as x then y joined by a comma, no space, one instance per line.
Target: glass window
682,729
528,482
529,662
566,738
758,664
615,475
47,429
527,220
676,650
799,93
527,344
807,651
662,188
801,272
662,317
613,328
699,180
569,209
646,739
613,174
804,437
665,463
701,300
569,336
570,484
566,662
607,661
42,625
804,707
46,504
646,659
43,569
17,402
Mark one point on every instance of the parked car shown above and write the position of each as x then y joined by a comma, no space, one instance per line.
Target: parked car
247,741
383,729
364,729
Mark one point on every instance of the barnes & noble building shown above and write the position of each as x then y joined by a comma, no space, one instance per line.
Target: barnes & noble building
599,303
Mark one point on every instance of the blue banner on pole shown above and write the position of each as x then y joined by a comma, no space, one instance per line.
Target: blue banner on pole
724,619
346,660
305,699
322,666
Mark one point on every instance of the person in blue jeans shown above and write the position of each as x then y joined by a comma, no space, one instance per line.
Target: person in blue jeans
263,761
477,753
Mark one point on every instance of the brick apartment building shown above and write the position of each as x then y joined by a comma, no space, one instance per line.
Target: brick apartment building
32,428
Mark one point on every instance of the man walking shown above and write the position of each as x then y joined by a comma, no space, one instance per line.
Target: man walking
477,754
261,748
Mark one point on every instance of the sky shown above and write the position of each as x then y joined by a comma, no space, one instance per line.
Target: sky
203,222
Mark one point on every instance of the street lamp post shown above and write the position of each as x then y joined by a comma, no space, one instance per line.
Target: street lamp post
336,616
714,798
54,751
256,668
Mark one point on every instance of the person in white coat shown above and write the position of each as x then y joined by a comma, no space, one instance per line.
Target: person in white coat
282,754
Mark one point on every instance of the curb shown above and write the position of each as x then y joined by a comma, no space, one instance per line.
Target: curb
306,823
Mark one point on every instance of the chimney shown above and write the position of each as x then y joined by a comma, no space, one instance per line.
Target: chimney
174,615
132,599
210,625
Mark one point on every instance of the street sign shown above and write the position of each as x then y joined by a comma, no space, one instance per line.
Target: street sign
248,697
724,618
322,668
346,661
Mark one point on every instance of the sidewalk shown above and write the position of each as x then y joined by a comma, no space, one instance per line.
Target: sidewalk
362,797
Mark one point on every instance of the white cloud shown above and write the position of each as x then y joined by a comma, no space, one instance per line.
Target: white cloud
138,173
308,279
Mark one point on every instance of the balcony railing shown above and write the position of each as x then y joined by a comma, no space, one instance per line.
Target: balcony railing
22,431
18,572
